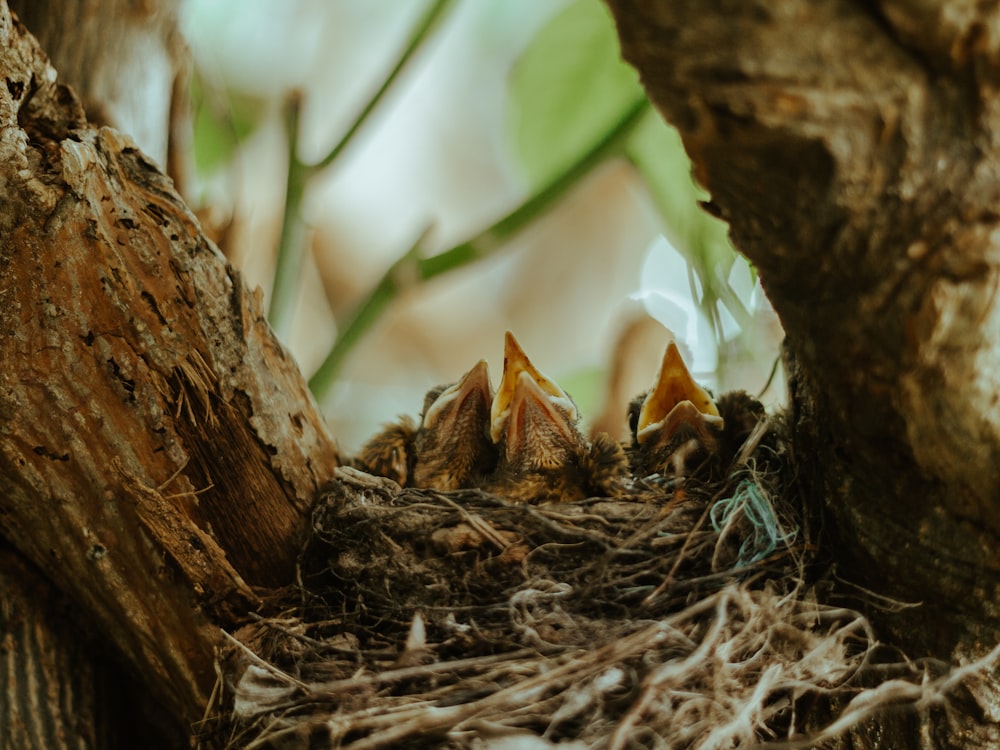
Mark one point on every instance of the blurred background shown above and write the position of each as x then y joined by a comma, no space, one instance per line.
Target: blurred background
515,167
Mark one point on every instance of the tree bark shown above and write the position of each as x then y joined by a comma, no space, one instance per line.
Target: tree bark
853,148
158,447
121,57
43,647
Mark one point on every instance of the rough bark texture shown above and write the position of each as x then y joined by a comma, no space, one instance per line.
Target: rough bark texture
119,56
63,713
158,448
62,685
853,147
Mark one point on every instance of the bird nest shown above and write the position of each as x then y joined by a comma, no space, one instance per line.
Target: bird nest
675,615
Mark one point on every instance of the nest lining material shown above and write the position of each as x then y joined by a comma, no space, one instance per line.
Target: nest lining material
676,617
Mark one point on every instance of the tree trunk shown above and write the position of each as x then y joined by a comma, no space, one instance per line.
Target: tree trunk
121,58
158,447
43,647
853,148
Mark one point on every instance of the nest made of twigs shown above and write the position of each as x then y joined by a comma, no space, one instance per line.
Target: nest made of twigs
677,615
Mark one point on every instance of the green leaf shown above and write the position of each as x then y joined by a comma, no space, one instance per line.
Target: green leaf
656,151
222,120
568,87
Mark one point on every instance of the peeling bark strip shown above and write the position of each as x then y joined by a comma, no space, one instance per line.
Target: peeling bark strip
853,148
157,444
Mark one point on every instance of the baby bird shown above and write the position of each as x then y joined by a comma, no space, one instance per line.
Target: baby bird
741,413
676,427
451,449
389,453
542,454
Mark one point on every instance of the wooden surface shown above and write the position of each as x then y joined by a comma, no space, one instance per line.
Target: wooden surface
121,58
158,447
48,680
853,148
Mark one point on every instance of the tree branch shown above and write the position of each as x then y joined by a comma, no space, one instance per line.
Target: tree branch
158,447
853,153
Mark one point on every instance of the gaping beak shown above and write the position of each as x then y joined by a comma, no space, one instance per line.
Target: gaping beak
468,399
539,432
676,400
516,363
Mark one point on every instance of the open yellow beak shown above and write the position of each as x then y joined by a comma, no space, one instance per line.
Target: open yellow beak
675,399
516,362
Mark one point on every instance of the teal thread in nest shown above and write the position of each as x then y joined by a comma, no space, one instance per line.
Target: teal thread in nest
755,505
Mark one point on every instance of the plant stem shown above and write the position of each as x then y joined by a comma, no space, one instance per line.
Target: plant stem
480,246
291,246
484,243
418,36
401,275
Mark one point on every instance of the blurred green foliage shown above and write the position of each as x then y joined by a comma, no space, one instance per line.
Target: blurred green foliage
567,87
572,103
586,386
223,118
